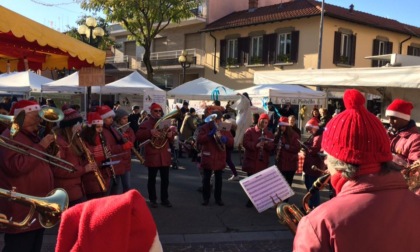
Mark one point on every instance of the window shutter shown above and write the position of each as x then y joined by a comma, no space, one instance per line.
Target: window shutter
294,50
266,44
272,38
223,52
353,50
337,45
375,50
389,47
243,50
410,50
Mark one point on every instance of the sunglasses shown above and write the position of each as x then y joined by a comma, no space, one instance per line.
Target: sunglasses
157,111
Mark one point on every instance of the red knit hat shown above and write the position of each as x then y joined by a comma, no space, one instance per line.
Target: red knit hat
263,116
313,123
400,108
356,136
27,106
94,118
87,226
284,121
105,111
71,117
154,106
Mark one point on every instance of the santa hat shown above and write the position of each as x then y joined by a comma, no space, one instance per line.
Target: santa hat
399,108
24,105
263,116
105,111
154,106
114,223
356,136
94,118
71,117
312,123
284,121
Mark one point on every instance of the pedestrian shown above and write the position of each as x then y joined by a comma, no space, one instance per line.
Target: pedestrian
188,125
311,152
325,117
359,161
213,156
274,117
405,138
27,175
287,149
258,145
226,119
157,159
293,125
71,149
92,138
134,117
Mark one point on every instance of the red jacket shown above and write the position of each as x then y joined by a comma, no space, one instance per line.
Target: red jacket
115,143
406,143
71,182
29,175
153,157
287,159
212,157
311,155
251,163
374,213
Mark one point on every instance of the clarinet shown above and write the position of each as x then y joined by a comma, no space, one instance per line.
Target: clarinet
279,143
261,153
107,156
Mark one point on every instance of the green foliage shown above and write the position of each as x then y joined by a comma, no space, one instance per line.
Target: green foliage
143,19
231,61
256,60
283,58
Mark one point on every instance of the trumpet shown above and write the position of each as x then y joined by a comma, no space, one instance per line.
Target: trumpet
49,208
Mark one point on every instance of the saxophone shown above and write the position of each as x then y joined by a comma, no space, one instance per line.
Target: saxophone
261,150
107,154
91,160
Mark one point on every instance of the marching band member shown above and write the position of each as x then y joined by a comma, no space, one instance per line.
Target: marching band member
92,139
257,148
311,150
213,156
373,209
405,138
28,175
70,149
157,160
287,146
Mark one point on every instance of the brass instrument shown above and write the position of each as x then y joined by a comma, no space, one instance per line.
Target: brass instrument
412,176
160,141
261,150
14,122
91,160
133,149
49,208
52,116
290,214
107,155
217,136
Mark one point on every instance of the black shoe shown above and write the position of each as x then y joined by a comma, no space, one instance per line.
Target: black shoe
249,204
166,203
153,204
220,202
205,203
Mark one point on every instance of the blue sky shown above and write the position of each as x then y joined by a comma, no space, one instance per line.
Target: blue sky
66,12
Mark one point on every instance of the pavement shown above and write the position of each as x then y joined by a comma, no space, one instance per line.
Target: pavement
189,226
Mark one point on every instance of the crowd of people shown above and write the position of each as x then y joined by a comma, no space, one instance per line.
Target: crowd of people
352,146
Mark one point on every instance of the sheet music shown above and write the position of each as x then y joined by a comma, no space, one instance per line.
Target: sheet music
265,187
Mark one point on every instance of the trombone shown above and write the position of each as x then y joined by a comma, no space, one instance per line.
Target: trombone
49,208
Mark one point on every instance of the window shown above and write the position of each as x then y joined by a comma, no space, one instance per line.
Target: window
232,52
413,50
256,50
344,48
380,47
284,47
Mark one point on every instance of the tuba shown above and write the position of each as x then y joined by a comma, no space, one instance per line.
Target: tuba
49,208
217,136
160,141
290,214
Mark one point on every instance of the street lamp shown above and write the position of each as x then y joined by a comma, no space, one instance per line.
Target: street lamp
185,60
92,33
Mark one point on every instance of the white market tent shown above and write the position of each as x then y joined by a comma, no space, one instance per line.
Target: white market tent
202,89
24,82
134,83
69,83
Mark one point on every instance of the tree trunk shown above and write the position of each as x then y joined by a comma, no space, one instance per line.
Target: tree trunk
148,64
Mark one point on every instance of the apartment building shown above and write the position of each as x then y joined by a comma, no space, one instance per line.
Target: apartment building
228,41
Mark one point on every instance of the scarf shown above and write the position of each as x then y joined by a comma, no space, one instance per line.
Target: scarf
337,180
